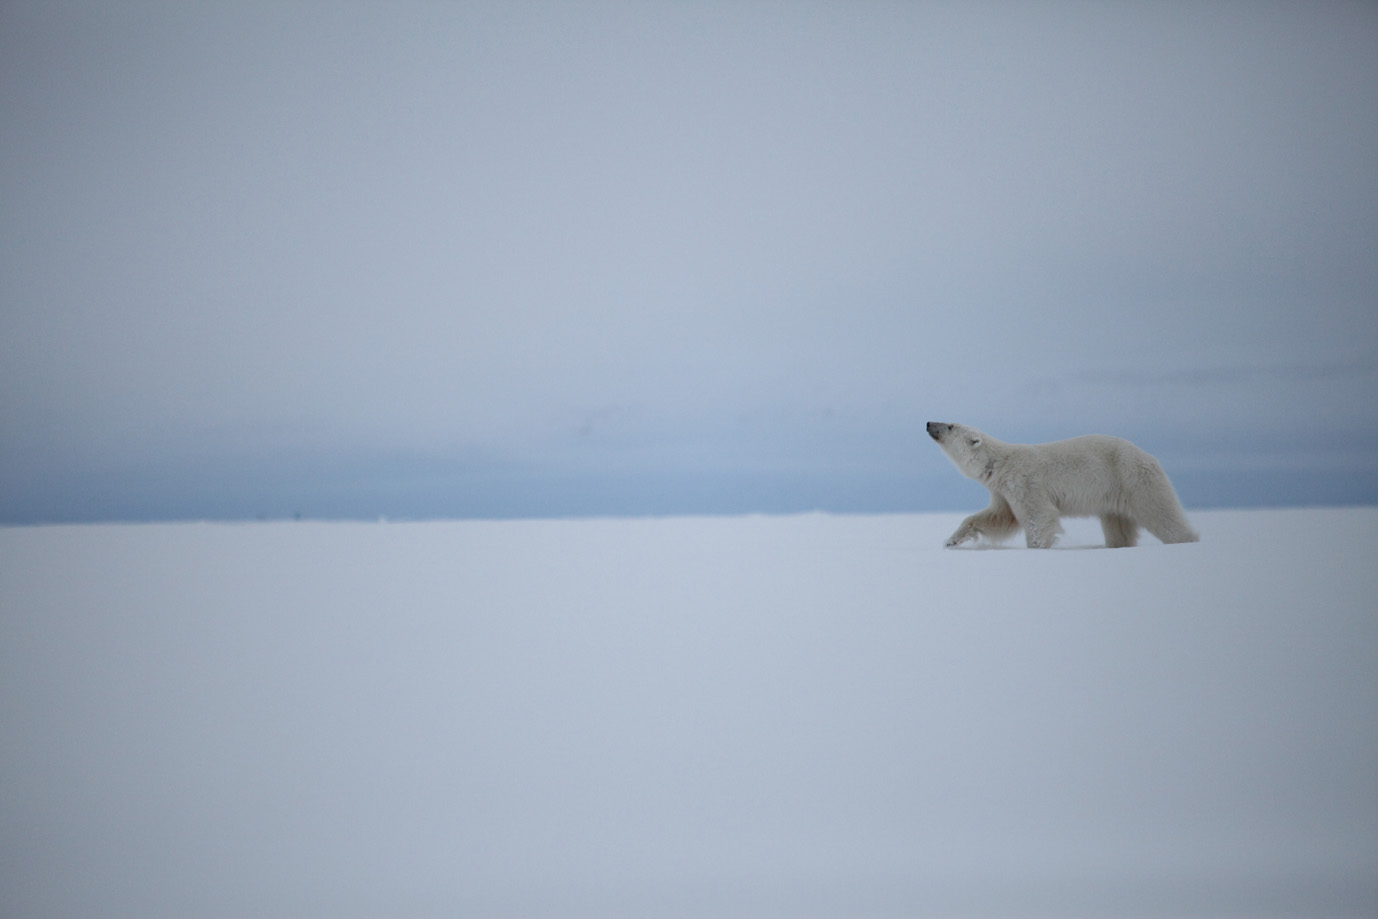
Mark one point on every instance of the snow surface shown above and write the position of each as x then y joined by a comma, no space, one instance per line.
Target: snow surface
752,716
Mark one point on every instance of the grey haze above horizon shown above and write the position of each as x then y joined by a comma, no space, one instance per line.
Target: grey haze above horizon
541,259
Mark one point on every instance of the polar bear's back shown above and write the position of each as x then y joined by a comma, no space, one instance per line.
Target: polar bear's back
1090,449
1091,474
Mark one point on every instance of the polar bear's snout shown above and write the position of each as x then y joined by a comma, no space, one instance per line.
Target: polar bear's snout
936,429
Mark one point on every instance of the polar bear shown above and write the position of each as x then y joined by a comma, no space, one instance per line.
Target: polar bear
1032,485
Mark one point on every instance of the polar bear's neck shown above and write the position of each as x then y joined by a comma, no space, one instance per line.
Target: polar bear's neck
995,453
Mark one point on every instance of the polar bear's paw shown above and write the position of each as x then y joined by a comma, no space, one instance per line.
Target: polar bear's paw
960,538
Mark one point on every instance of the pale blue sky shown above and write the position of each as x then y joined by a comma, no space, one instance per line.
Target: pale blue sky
433,259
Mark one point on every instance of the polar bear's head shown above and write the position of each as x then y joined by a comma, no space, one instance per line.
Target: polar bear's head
964,446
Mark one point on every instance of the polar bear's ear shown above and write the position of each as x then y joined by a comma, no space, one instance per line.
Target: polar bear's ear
973,440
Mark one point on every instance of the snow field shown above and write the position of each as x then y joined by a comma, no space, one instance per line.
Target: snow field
756,716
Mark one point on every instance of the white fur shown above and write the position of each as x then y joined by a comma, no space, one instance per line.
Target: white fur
1033,485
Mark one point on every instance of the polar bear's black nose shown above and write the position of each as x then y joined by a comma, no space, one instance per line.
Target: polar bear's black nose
936,429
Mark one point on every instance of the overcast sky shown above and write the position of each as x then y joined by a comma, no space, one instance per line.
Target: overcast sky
424,259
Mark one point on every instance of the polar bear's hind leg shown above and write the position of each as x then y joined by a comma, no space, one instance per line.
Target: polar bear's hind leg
1120,531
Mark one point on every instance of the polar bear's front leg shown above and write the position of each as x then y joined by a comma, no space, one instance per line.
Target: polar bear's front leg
1041,529
995,523
967,532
